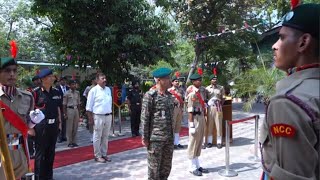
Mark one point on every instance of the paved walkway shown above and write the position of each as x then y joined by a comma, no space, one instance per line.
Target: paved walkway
132,165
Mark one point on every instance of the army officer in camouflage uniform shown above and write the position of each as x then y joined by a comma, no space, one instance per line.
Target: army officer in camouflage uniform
157,126
290,132
196,108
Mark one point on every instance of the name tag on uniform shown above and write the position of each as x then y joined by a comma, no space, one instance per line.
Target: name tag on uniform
163,113
56,97
51,121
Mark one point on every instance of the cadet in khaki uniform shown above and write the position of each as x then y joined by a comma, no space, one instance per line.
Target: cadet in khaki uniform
157,126
290,132
71,105
196,108
20,102
215,115
177,94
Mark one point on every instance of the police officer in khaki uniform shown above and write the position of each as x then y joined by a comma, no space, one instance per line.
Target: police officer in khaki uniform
157,126
290,132
71,105
196,108
177,94
215,115
20,103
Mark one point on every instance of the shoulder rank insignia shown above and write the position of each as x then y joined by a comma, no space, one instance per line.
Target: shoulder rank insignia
283,130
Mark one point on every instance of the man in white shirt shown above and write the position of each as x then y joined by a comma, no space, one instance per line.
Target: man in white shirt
99,111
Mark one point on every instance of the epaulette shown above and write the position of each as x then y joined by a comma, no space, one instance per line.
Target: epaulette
152,92
25,92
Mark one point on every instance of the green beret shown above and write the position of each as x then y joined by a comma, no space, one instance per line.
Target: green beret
195,76
174,78
161,72
305,18
7,61
212,76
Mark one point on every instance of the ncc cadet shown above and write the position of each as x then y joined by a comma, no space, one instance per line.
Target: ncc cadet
134,103
290,132
16,105
48,100
71,106
177,94
196,108
157,125
214,118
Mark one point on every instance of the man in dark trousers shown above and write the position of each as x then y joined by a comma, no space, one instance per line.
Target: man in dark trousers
47,99
134,103
63,88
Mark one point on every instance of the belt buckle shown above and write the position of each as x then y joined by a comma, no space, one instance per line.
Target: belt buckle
51,121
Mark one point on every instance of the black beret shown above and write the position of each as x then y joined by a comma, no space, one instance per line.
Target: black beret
305,18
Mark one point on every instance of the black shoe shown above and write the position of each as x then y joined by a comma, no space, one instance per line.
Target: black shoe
180,146
219,146
175,147
64,139
134,135
209,145
204,146
70,145
75,145
196,172
203,170
59,141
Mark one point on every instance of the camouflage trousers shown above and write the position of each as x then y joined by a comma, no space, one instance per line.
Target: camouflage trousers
159,159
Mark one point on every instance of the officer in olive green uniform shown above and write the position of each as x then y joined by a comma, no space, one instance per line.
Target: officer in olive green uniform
71,105
177,94
157,126
21,103
196,108
290,132
215,115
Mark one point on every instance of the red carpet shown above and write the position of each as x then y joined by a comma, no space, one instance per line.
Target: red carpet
72,156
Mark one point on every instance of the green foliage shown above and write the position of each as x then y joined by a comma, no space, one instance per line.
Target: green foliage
112,35
146,86
24,77
257,82
17,22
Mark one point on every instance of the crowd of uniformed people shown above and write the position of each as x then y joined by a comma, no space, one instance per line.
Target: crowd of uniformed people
47,114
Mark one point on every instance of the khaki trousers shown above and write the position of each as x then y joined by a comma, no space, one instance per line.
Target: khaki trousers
177,117
214,120
196,139
102,125
72,125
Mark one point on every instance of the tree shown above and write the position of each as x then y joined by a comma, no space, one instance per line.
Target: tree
17,22
112,35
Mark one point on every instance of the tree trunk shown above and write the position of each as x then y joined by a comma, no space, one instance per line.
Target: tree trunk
10,29
195,61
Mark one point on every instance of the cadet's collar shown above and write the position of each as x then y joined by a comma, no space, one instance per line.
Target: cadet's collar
10,91
196,89
307,66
